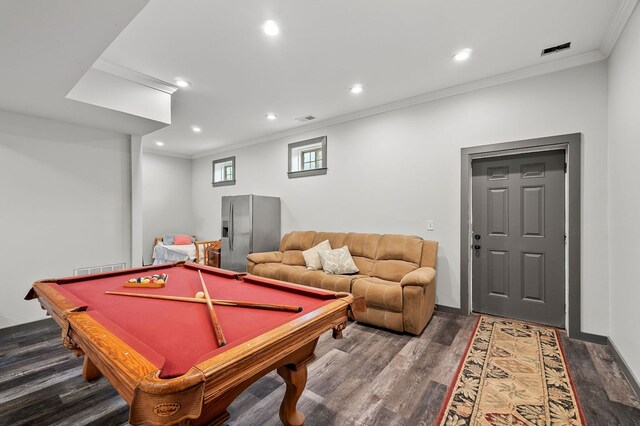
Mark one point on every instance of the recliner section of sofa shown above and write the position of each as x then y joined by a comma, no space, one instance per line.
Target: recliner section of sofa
396,278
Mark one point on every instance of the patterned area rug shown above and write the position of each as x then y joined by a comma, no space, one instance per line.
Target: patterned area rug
513,373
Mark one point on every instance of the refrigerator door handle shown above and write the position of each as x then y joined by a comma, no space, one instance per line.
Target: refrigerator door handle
231,226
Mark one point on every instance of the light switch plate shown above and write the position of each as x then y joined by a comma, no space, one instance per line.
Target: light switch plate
430,225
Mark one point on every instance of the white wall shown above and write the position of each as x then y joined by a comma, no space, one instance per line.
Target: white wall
166,199
624,195
392,172
65,204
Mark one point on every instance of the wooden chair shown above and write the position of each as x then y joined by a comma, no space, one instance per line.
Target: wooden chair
205,253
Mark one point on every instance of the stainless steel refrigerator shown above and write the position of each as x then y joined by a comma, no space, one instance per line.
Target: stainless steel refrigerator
250,223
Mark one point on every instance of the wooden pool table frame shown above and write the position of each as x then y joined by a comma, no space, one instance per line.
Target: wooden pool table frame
202,395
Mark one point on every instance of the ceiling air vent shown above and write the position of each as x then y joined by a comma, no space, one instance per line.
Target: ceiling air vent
305,118
555,49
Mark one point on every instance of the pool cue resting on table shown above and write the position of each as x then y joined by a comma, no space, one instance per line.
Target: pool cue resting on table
212,313
221,302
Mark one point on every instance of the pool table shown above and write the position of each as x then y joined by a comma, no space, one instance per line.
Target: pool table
162,355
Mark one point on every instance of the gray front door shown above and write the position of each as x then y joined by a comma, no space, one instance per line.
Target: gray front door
518,237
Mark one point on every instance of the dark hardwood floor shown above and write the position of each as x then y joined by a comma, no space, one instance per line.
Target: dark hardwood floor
371,377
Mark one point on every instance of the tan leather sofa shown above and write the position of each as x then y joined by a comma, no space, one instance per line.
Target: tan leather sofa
396,278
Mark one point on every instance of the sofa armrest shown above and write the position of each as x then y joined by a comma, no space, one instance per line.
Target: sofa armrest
419,277
265,257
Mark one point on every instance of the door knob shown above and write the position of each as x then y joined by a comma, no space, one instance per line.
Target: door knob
477,247
477,237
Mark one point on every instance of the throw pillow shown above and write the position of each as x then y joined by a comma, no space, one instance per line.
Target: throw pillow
167,239
312,257
338,261
182,240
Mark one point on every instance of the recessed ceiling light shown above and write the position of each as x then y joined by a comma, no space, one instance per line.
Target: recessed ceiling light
462,55
182,83
196,129
159,143
356,88
271,116
270,28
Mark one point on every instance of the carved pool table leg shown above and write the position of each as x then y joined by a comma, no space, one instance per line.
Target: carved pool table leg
89,370
296,379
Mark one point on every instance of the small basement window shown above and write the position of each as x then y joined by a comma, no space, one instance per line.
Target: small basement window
308,158
224,172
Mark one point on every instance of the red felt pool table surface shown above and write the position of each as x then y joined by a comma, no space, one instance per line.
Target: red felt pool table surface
176,335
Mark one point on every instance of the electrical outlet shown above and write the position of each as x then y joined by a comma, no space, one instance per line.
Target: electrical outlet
430,225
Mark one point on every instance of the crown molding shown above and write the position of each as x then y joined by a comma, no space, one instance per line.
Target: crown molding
521,74
622,16
135,76
165,153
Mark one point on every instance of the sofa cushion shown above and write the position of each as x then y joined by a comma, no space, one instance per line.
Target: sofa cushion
301,275
267,270
328,282
298,240
293,257
293,244
363,250
338,261
364,245
292,273
379,293
397,255
312,257
400,247
336,239
392,270
265,257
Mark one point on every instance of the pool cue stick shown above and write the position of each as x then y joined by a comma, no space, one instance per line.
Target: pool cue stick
221,302
212,313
